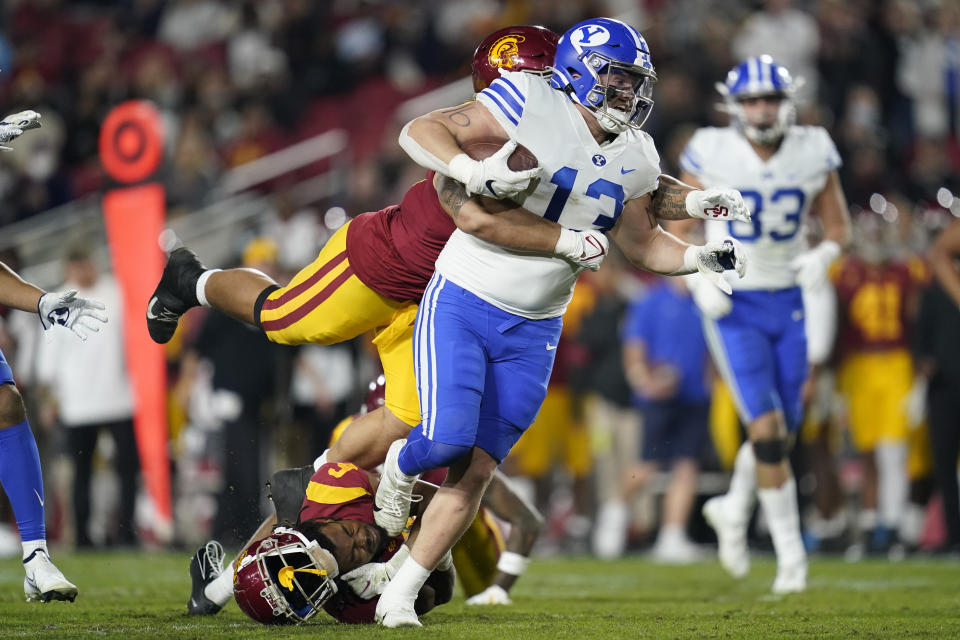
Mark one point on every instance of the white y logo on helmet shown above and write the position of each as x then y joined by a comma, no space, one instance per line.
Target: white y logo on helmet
589,35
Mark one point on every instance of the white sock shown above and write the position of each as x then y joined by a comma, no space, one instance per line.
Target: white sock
221,589
202,286
867,520
671,533
32,545
743,483
893,487
321,460
780,508
409,578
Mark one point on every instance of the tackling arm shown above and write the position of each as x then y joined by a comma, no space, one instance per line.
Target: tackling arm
505,223
514,227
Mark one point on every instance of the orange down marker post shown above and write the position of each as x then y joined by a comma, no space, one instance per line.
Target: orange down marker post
131,148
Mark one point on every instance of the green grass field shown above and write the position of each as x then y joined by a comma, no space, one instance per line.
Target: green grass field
143,596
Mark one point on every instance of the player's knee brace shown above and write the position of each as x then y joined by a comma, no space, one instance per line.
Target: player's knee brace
770,451
422,454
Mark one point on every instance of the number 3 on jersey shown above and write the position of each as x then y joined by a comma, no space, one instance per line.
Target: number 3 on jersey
757,227
564,179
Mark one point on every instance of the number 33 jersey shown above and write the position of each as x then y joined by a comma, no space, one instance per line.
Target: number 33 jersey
581,185
778,193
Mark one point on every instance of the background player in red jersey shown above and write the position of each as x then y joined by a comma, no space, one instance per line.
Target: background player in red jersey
877,294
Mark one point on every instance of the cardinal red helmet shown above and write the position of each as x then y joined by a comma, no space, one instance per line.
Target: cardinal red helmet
519,48
376,395
284,578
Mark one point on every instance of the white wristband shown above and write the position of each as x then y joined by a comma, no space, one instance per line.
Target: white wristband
461,168
692,207
829,249
393,564
512,563
567,244
690,262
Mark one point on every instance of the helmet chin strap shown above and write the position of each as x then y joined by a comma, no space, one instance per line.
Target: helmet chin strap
610,123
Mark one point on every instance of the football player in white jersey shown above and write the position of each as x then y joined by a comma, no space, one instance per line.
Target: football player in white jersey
756,334
488,326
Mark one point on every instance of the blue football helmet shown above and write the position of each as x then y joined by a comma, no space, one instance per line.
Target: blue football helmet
621,98
755,77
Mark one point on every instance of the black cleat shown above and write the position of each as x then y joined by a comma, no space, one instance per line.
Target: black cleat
176,292
205,566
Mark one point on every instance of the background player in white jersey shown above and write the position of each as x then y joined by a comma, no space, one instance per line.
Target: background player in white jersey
756,334
486,333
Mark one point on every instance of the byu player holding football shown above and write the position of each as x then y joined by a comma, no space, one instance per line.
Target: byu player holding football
756,334
486,333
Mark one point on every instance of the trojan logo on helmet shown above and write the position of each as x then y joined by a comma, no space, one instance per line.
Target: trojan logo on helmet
519,48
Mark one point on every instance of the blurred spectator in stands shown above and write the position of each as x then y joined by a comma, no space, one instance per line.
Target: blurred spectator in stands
297,233
194,166
929,71
189,24
101,401
255,62
665,359
938,358
788,34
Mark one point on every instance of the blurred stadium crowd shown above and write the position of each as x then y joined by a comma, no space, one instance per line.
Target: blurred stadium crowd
237,81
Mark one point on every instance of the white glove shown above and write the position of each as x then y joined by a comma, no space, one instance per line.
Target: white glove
811,266
586,248
708,298
491,176
15,124
66,309
494,594
369,580
717,204
713,258
915,402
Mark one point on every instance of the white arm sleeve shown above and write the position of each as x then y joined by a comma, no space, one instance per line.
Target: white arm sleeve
820,313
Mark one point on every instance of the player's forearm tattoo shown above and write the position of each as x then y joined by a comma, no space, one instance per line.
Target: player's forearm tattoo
458,115
669,201
452,195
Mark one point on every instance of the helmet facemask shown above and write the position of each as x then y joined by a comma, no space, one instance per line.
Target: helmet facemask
297,574
762,134
621,97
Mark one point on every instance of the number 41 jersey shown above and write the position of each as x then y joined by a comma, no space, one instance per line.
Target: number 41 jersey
581,185
778,193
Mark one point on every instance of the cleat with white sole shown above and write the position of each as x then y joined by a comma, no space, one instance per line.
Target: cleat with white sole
731,538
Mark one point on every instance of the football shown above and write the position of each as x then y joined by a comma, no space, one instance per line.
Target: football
520,160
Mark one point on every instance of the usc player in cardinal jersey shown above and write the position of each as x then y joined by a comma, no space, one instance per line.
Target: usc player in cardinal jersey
877,295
